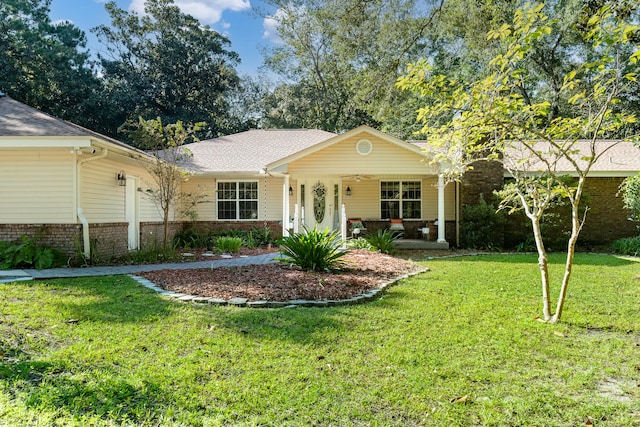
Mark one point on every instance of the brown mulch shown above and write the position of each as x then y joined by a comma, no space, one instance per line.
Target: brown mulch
281,282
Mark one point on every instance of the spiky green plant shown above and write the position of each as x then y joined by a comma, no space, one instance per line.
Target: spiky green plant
229,244
313,250
383,241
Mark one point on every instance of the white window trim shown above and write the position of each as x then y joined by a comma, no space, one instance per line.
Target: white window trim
237,181
400,181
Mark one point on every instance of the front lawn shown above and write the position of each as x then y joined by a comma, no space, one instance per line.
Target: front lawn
457,346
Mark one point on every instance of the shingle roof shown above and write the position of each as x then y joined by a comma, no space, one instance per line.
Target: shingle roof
18,119
250,151
621,157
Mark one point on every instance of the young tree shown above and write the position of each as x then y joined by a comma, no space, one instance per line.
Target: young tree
491,117
166,143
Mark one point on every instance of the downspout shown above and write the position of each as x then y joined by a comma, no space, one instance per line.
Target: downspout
86,243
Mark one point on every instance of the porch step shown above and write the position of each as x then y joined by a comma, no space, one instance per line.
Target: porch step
420,244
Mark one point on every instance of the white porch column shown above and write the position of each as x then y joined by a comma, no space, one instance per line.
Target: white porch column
441,222
343,222
296,219
285,206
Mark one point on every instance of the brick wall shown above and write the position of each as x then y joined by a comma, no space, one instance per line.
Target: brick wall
484,178
109,240
152,233
607,220
66,237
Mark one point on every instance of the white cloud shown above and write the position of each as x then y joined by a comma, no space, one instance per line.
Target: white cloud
206,11
270,25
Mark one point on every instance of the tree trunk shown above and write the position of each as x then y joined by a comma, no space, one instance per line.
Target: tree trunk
543,263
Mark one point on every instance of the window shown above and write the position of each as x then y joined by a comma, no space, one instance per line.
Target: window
238,200
400,199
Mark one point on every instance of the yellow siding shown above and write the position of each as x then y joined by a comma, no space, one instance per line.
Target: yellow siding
103,200
37,187
207,210
342,159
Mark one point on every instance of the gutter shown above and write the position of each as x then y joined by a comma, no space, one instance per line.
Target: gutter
86,242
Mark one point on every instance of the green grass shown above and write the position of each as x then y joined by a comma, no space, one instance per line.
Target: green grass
108,352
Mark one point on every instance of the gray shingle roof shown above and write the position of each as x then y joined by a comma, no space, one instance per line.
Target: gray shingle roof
250,151
18,119
620,157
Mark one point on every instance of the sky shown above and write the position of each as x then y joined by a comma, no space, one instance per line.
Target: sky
242,21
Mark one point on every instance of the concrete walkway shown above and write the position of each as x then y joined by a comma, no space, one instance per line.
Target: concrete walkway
57,273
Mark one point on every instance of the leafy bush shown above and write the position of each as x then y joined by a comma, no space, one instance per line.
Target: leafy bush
482,226
359,243
383,241
627,246
229,244
192,238
630,188
313,250
28,253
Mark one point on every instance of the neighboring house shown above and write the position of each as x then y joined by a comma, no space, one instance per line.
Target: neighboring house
75,188
63,180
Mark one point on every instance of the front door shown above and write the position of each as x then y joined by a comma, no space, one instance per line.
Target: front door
321,204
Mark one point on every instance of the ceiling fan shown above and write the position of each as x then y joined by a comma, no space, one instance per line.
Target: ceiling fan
357,177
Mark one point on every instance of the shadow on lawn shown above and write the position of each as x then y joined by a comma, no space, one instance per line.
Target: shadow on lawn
300,325
554,258
116,299
42,386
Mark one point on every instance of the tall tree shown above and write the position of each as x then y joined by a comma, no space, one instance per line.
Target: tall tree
44,64
166,64
491,116
340,59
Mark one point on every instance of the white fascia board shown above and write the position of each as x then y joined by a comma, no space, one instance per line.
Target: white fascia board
45,142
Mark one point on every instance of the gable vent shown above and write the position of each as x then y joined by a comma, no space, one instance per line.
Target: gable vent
364,147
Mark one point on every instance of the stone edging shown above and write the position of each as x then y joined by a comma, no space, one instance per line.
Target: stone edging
243,302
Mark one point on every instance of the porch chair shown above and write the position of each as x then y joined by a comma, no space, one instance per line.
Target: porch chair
397,227
356,226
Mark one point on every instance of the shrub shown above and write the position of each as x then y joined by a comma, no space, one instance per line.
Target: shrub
482,226
229,244
191,238
28,253
383,241
627,246
359,243
313,250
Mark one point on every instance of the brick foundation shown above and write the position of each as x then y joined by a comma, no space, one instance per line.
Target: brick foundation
109,240
66,237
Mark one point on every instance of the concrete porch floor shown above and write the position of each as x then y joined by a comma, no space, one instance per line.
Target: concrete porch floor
420,244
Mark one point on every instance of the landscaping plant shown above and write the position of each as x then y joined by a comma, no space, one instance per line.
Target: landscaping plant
313,250
627,246
29,253
383,241
229,244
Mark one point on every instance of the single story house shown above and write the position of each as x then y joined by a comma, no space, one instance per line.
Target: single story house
87,193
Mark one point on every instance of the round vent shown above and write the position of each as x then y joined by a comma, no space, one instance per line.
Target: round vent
364,147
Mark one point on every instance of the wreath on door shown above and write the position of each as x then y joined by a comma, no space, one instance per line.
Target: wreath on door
319,201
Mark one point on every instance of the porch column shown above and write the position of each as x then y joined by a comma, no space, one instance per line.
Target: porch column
296,219
441,223
285,206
